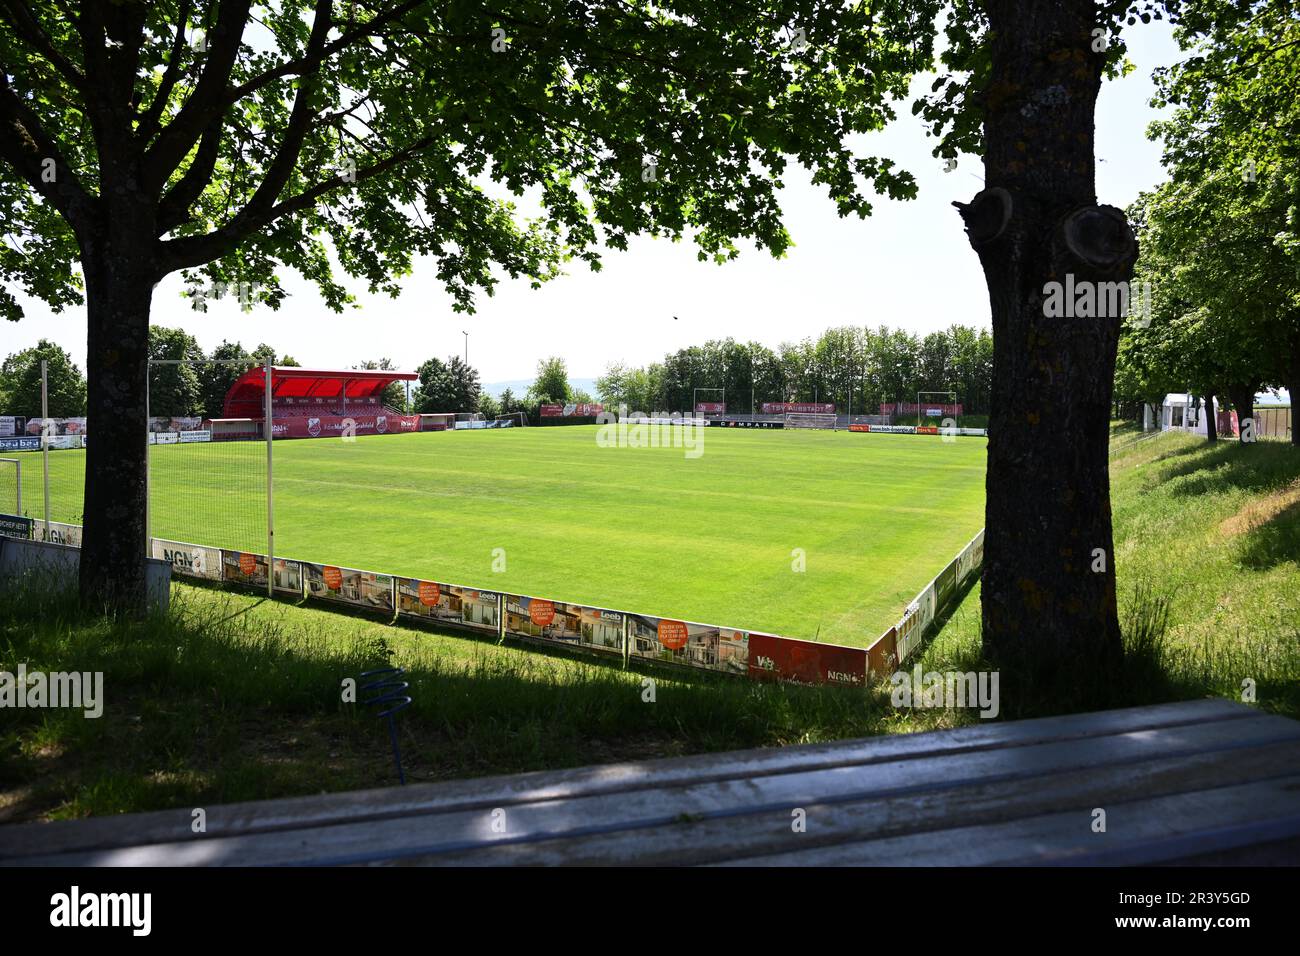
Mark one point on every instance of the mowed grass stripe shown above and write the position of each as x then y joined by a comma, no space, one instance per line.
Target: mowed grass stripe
648,530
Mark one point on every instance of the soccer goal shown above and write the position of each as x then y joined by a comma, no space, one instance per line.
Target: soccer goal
823,420
512,420
714,401
11,486
935,405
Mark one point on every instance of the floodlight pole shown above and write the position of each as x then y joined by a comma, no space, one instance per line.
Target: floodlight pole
270,495
45,439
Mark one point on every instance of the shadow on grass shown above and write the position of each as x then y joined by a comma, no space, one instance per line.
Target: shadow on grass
1225,466
1155,668
202,706
1273,542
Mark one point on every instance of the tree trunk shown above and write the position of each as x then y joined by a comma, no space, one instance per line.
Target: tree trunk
119,289
1048,594
1211,425
1242,396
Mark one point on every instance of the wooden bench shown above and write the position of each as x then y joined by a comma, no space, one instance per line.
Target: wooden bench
1206,780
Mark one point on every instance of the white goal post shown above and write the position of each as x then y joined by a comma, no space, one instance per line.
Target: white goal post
14,499
925,403
823,420
715,401
514,417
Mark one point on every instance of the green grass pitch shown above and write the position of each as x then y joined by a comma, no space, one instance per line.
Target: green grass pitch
715,539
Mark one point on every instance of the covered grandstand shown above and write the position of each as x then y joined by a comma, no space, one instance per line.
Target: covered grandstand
311,403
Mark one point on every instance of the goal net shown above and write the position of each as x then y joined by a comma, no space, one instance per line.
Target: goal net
824,420
11,487
512,420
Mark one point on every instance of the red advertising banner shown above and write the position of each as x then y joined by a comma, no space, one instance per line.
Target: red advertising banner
333,426
579,409
717,408
812,408
859,428
805,662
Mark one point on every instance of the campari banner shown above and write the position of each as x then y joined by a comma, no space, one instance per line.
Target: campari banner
809,408
334,426
573,410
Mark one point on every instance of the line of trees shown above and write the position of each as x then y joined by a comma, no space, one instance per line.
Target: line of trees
855,368
1221,240
174,390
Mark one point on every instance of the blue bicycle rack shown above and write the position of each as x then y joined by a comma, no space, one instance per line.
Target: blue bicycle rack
388,691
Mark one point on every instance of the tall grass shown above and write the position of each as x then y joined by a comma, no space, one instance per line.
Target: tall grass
1208,565
230,697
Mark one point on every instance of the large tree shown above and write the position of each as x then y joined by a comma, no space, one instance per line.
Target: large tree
450,386
1232,208
174,385
552,381
229,142
1021,91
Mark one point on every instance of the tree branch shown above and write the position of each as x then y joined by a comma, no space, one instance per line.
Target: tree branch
28,28
149,122
187,127
190,251
27,147
305,64
174,208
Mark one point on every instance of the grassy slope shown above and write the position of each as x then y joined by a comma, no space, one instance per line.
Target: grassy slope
641,529
237,698
1207,541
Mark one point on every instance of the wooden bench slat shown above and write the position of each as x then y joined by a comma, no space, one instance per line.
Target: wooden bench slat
1164,829
506,791
929,817
638,810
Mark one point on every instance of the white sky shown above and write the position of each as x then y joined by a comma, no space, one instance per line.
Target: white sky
908,265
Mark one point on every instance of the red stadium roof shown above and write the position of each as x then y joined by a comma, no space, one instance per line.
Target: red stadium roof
246,397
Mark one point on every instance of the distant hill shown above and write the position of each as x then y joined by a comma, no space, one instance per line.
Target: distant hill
520,385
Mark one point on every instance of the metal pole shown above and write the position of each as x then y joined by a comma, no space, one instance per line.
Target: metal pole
270,497
45,439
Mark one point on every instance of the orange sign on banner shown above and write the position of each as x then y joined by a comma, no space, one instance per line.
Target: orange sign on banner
248,563
333,578
672,634
429,593
541,612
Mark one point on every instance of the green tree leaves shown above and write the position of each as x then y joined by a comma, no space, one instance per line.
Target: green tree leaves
20,383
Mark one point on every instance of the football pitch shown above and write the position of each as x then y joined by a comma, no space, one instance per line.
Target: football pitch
806,534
